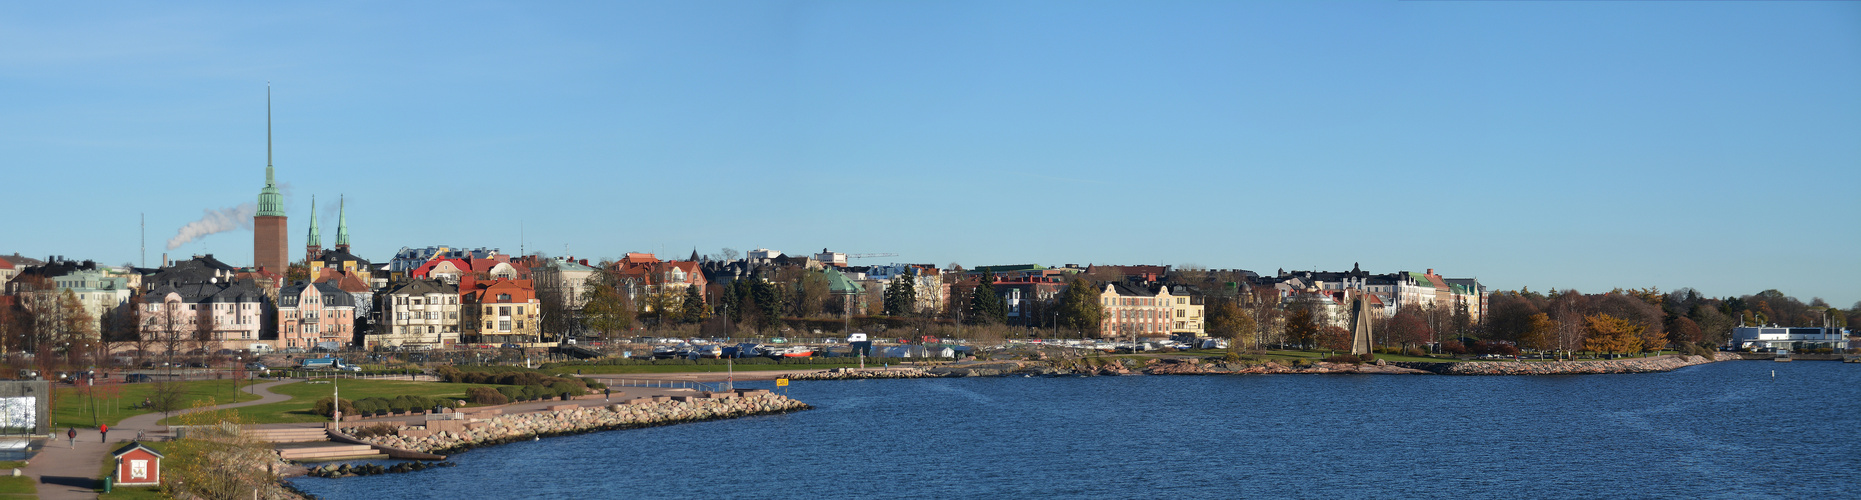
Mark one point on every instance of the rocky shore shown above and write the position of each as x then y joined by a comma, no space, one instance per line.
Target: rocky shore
1635,365
447,437
1193,366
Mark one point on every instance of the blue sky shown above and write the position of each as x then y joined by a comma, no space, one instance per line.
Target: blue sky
1585,145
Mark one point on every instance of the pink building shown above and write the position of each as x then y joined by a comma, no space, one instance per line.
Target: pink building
225,315
312,313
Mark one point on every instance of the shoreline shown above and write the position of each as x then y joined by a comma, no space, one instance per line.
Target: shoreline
1087,367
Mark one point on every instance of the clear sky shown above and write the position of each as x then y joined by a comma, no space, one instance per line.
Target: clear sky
1585,145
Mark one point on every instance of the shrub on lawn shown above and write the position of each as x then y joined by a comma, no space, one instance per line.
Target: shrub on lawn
382,429
511,392
486,396
323,407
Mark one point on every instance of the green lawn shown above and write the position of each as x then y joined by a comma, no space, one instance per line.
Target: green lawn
72,407
133,493
304,394
17,487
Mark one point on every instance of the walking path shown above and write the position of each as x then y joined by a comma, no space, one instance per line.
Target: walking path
70,473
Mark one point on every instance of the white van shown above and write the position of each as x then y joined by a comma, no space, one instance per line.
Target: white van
855,337
261,348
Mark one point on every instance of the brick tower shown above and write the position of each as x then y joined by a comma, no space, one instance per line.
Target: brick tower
268,226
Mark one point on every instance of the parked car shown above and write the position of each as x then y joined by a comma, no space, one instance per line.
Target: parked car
512,346
137,377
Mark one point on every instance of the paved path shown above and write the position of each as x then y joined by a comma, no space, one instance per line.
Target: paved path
70,473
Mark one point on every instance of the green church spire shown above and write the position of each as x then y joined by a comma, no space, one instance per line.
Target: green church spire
316,236
342,224
270,203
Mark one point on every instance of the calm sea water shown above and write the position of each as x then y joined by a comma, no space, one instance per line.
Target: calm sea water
1718,430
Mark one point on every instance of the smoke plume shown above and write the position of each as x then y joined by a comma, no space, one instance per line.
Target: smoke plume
215,221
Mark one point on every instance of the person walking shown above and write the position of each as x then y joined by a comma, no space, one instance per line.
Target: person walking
606,392
105,430
72,434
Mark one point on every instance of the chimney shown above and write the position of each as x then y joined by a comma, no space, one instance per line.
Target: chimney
1431,271
164,259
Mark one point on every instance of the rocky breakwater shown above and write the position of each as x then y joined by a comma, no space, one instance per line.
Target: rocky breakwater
865,373
1636,365
1190,366
573,419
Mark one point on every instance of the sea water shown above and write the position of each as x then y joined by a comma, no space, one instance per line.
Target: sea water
1718,430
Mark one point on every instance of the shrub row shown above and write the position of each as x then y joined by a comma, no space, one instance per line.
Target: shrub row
512,376
376,406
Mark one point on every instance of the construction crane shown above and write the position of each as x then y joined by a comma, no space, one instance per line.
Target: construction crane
869,255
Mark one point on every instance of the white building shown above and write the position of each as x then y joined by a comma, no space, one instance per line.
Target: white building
1785,339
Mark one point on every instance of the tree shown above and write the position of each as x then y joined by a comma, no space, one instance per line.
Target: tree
811,289
1408,328
1685,330
1538,332
1080,309
1226,318
694,305
901,296
985,306
1300,328
1335,338
1605,333
608,309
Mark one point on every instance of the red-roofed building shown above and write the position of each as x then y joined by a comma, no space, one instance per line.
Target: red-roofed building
501,310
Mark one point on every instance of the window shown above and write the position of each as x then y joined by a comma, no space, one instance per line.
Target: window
503,297
1181,313
504,311
519,310
520,324
504,325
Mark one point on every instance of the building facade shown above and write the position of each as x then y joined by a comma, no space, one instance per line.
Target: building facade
419,313
500,311
310,314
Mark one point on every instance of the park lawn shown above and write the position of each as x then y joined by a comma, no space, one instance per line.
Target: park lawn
624,369
17,487
131,493
115,402
305,394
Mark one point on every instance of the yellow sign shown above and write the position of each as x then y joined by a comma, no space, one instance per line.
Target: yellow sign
781,382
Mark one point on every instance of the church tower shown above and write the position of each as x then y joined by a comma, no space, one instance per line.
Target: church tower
268,226
342,225
314,246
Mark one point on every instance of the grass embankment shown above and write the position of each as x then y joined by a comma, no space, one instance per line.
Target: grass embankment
305,394
109,404
17,487
130,493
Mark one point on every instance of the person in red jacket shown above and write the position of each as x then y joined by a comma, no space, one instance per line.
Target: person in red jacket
105,429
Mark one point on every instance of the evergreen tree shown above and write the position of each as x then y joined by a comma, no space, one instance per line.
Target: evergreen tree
694,305
1080,309
901,297
985,306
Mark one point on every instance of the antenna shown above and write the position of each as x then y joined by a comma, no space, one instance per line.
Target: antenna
145,239
268,125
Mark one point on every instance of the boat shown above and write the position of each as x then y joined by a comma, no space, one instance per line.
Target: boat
798,352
